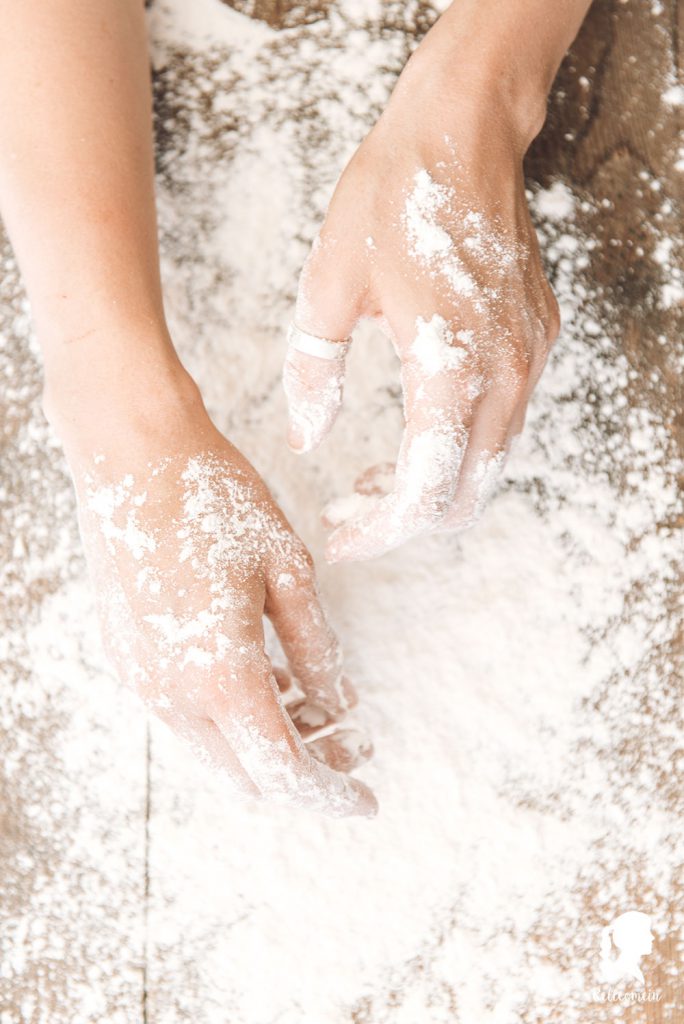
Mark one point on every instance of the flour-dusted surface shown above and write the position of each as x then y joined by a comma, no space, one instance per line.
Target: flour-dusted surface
521,682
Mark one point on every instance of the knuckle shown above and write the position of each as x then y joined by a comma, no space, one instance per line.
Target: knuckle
305,560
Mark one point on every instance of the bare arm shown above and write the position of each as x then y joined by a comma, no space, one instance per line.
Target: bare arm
186,547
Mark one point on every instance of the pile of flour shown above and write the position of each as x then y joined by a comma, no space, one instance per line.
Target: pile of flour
519,681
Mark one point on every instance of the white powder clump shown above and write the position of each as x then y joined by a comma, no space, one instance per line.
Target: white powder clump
429,475
672,289
455,243
424,204
556,203
105,501
486,476
434,346
674,96
429,241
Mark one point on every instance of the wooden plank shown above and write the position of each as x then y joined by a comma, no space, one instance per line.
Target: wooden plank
72,746
77,890
614,140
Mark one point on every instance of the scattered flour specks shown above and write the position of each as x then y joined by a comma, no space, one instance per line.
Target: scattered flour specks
429,242
521,683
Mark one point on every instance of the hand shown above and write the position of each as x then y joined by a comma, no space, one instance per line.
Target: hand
188,551
429,234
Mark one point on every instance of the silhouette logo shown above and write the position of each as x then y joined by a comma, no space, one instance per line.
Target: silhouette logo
623,943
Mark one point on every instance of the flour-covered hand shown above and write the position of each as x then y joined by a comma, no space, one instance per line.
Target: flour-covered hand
188,551
429,234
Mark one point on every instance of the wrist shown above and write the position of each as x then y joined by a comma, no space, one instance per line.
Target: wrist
121,398
476,65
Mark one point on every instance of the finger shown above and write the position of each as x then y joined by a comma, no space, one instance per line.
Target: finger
485,458
313,389
427,473
250,714
209,746
328,307
294,607
438,399
342,750
479,485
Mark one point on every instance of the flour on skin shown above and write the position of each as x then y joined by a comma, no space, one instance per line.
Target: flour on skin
186,639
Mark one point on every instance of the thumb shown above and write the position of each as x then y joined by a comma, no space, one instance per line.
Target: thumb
327,310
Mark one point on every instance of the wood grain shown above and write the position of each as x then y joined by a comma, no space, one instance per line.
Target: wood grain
613,141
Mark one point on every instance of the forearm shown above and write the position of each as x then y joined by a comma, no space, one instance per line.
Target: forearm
510,49
77,198
76,165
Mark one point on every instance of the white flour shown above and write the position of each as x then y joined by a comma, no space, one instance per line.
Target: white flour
434,346
428,205
510,678
429,243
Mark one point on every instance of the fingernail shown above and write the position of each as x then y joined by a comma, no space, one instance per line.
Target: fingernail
296,439
370,806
